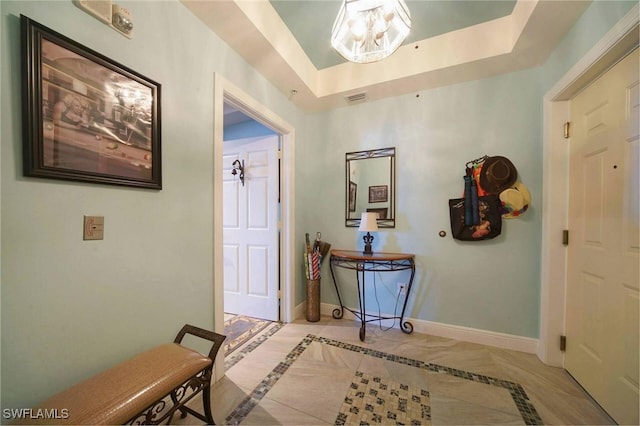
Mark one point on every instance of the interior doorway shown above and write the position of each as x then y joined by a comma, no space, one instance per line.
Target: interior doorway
226,92
251,207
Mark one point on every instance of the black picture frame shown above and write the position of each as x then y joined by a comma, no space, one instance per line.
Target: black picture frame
378,194
353,191
382,212
86,117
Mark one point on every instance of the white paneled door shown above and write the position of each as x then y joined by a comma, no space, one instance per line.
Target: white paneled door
250,223
604,241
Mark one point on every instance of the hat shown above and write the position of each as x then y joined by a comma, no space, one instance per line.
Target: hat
497,174
515,201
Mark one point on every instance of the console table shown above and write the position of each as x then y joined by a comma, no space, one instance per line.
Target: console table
376,262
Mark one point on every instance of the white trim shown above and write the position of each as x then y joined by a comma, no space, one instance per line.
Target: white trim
555,188
224,91
300,311
465,334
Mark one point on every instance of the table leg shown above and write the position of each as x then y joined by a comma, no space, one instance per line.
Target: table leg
337,312
407,327
363,309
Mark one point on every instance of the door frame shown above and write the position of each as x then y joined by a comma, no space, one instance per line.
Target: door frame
614,46
225,91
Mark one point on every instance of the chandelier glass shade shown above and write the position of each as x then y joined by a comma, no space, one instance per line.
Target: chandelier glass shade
370,30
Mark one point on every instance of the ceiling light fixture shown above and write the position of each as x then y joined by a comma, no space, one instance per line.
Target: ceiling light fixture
370,30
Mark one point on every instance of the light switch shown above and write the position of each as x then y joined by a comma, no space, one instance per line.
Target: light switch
94,227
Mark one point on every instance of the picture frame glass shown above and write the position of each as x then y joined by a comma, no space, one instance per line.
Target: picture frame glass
87,118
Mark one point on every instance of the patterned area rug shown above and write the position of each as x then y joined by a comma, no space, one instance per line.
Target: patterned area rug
240,329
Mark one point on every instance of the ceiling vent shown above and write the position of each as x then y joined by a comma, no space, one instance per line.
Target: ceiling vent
356,98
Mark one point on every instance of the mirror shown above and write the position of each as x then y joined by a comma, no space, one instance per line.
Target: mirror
371,186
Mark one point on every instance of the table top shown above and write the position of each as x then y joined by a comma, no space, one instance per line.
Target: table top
375,257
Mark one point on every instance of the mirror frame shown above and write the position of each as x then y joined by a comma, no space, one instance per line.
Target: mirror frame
363,155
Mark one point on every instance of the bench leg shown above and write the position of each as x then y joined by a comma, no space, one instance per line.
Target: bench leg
206,402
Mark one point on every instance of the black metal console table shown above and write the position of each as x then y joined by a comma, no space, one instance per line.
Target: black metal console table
376,262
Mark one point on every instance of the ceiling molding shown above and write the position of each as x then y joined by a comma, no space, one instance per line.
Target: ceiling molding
520,40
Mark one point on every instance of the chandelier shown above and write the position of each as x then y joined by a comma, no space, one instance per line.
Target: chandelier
370,30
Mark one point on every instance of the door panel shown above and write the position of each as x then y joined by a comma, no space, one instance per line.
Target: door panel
603,273
251,260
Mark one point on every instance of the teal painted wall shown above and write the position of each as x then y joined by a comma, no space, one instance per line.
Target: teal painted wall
71,308
491,285
595,22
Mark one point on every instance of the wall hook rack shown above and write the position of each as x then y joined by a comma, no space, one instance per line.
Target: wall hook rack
238,167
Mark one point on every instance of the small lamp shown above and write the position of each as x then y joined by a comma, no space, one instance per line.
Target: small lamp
368,223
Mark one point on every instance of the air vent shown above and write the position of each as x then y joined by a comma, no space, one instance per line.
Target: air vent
356,98
101,9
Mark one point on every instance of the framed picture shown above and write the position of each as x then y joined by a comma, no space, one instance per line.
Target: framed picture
353,191
85,117
378,194
382,212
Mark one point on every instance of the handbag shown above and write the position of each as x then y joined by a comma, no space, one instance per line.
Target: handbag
489,226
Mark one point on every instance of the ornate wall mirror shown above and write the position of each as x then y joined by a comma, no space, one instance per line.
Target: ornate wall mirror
371,186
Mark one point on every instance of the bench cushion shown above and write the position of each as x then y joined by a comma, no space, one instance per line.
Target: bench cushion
118,394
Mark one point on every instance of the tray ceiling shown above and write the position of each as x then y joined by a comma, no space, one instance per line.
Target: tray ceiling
451,41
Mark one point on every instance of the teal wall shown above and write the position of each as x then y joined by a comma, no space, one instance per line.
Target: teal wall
71,308
491,285
595,22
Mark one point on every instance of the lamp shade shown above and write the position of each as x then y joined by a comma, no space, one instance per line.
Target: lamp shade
370,30
368,222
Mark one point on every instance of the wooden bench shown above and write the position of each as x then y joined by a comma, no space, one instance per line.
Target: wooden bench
146,389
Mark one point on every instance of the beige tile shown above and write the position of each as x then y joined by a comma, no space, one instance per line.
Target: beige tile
451,411
270,412
225,397
313,388
394,371
476,393
316,391
558,408
329,357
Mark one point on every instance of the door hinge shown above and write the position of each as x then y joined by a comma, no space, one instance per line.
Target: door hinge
279,154
567,130
563,343
565,237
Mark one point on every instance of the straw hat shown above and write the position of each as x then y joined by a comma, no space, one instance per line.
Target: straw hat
497,174
515,201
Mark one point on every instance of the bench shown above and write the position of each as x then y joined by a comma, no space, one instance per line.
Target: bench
146,389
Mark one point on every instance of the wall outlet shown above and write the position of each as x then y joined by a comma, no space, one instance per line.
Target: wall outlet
402,288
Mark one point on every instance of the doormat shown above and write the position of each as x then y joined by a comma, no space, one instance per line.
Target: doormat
240,329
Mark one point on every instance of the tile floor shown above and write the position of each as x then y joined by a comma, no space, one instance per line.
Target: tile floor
321,373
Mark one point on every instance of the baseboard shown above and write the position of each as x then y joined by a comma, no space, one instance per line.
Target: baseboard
466,334
299,312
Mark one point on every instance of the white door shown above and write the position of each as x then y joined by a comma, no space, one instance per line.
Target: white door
250,224
604,241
